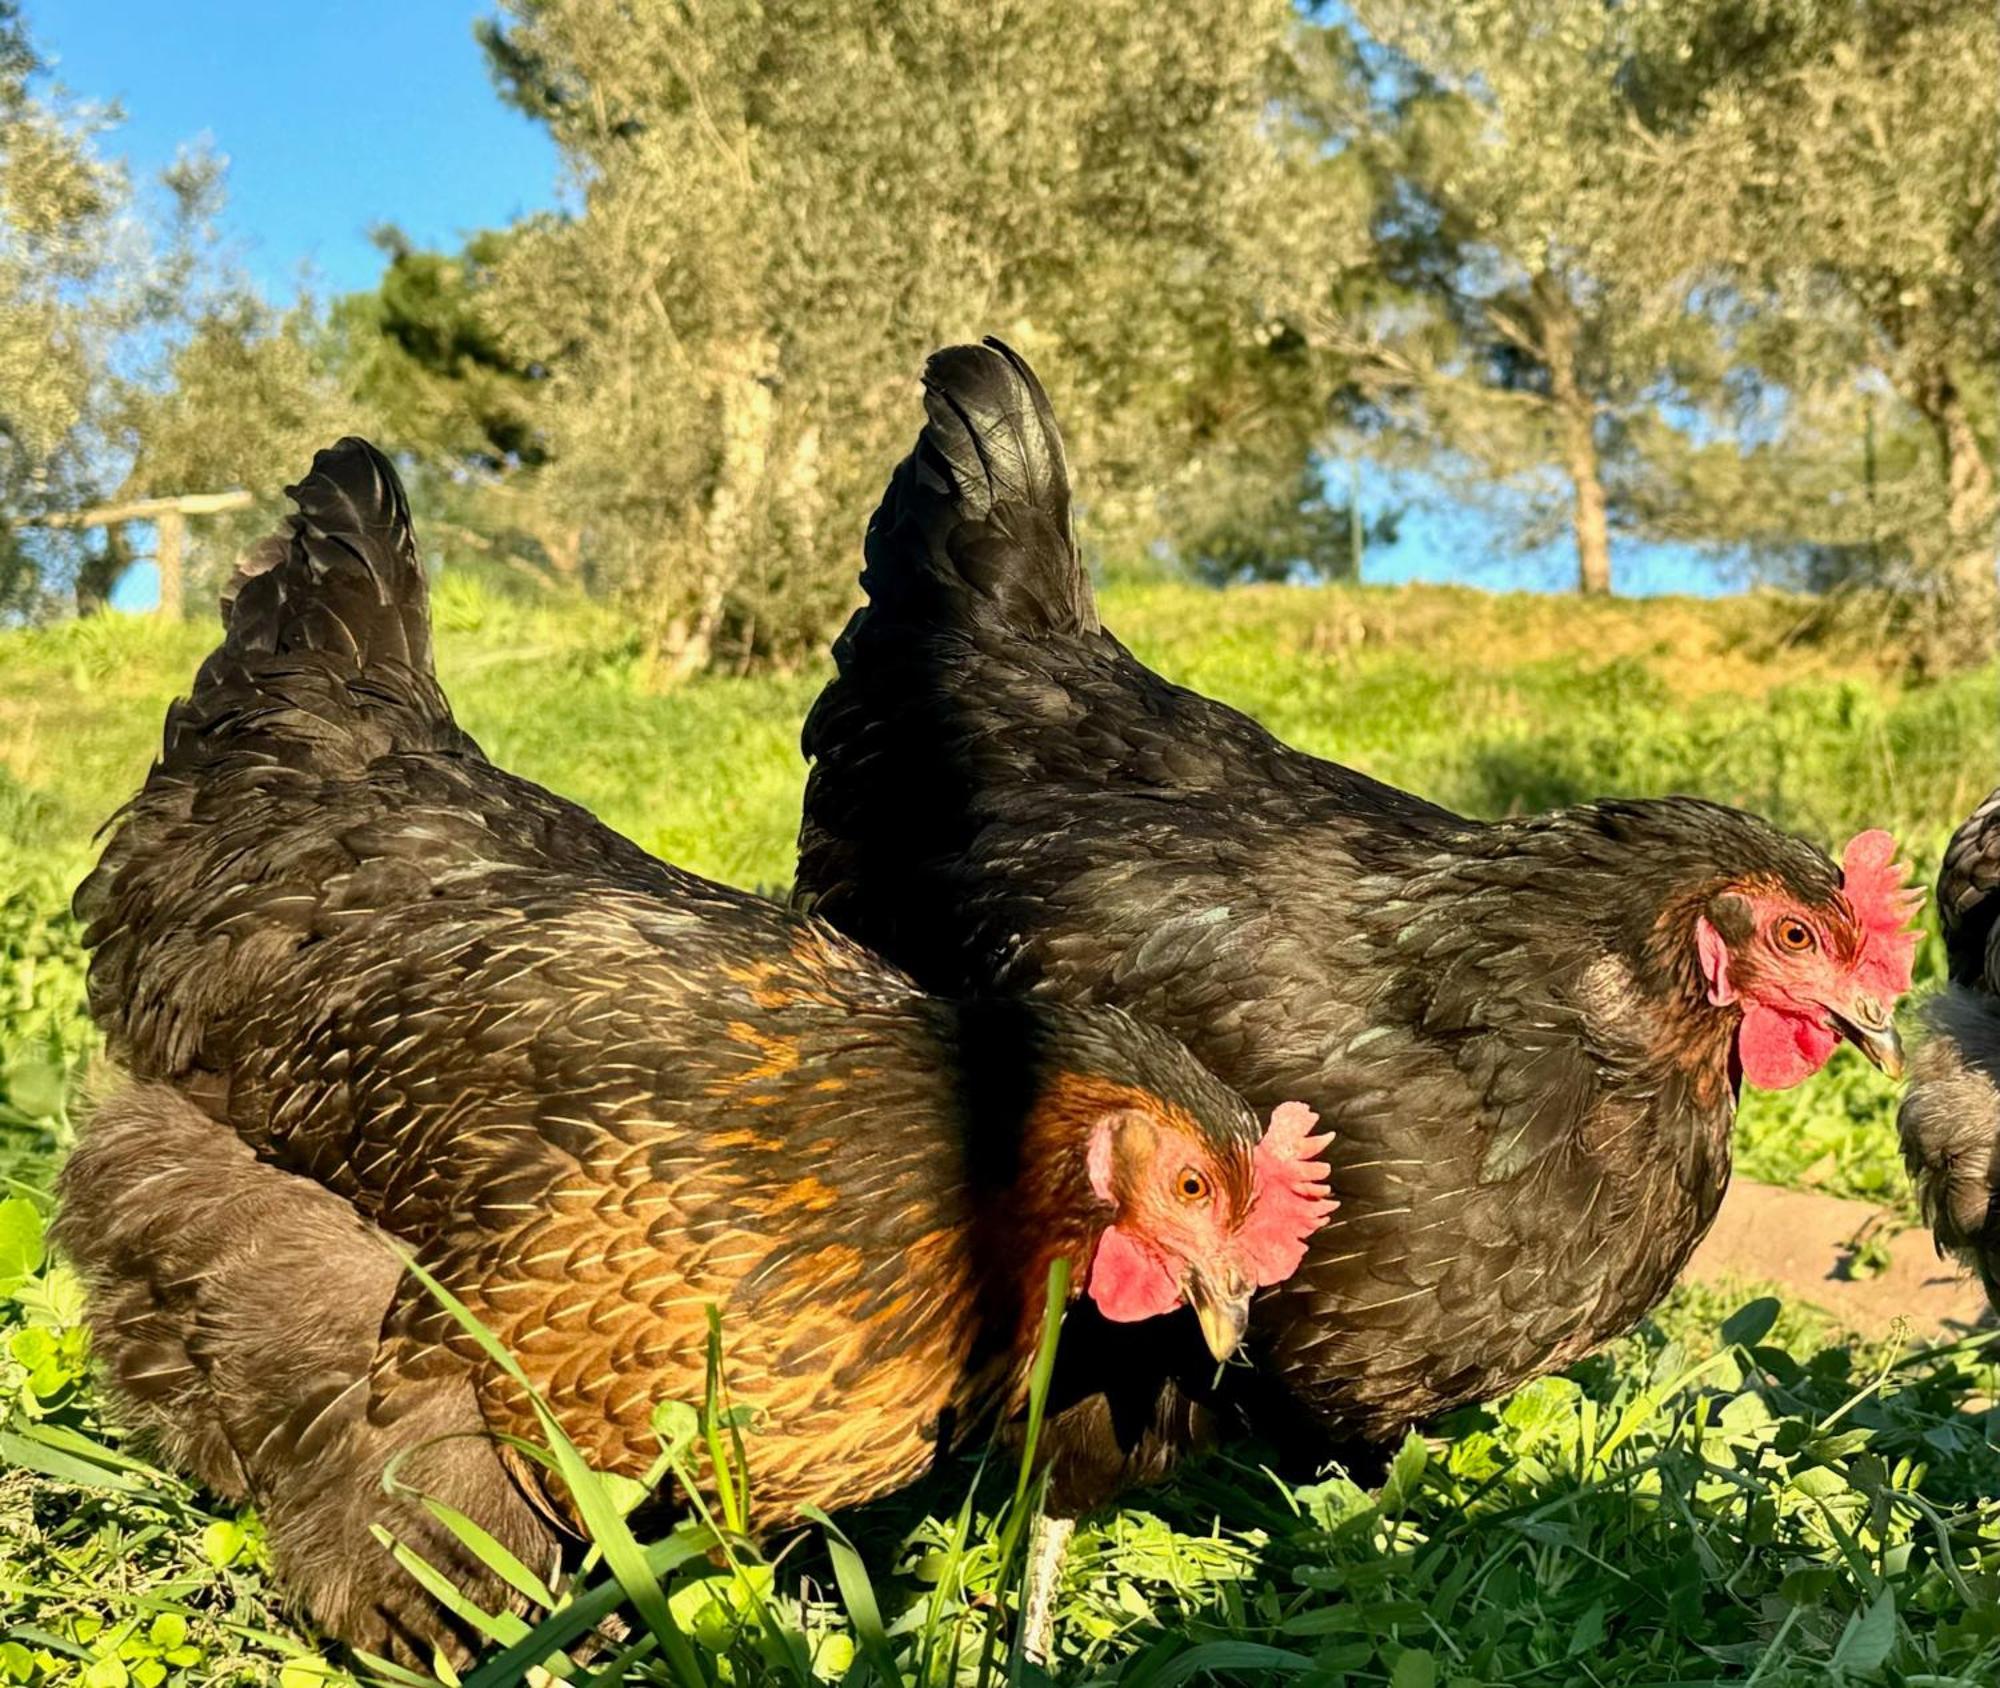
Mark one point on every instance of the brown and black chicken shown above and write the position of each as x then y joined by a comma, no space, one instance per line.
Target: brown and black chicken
1526,1036
367,986
1951,1116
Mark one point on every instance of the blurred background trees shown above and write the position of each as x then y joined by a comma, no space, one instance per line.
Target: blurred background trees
1686,271
778,219
68,292
1849,225
135,361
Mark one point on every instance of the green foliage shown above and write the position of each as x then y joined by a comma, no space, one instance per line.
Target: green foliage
1697,271
65,297
1718,1494
1516,327
135,359
1673,269
1847,229
424,355
247,395
1296,533
423,351
44,1035
1761,1509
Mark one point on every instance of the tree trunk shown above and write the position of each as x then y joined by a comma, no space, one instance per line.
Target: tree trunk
100,571
688,644
1970,499
563,544
748,415
1593,535
1576,438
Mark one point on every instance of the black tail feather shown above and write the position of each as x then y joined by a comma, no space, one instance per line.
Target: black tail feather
980,510
343,577
974,584
991,422
336,594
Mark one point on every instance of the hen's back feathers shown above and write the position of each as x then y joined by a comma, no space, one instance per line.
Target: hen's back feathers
237,850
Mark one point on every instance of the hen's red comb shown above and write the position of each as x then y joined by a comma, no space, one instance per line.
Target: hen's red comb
1290,1199
1873,882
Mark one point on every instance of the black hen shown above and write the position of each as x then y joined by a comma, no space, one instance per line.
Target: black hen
1526,1035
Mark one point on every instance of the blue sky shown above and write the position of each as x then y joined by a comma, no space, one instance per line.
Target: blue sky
335,115
343,114
1441,542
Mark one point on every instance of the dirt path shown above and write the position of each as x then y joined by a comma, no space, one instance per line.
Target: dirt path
1803,1243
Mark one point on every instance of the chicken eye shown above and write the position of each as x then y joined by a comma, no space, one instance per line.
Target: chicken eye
1191,1186
1794,935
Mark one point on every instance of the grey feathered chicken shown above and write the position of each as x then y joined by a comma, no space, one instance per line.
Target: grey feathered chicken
1951,1117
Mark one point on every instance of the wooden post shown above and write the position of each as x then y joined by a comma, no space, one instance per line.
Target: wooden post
171,528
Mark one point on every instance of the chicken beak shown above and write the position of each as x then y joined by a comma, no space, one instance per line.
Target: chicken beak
1869,1026
1224,1312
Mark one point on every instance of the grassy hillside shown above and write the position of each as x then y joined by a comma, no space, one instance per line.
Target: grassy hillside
1807,1515
1483,703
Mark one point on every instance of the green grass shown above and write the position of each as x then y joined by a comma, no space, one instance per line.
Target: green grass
1707,1501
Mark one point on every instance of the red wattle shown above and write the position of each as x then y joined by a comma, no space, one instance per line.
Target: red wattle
1128,1281
1779,1050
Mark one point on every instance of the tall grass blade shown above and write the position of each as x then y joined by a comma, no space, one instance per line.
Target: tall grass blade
857,1594
1247,1658
1027,1497
569,1624
947,1586
601,1517
384,1670
490,1553
730,1463
55,1450
621,1661
786,1647
475,1538
501,1627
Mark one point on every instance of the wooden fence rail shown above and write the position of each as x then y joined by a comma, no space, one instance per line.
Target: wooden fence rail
169,518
